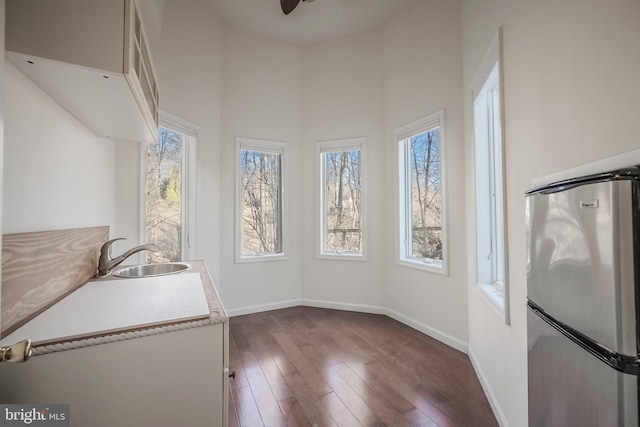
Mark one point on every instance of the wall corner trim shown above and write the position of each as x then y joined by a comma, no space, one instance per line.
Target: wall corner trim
488,391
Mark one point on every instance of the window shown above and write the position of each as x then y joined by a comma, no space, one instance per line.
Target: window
341,216
489,180
169,170
422,233
260,200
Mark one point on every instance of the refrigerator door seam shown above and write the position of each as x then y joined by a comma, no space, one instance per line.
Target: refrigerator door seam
620,362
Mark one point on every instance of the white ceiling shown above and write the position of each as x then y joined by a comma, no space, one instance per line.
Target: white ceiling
310,22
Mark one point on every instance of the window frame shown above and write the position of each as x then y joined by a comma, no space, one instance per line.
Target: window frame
333,146
266,146
491,271
188,201
404,234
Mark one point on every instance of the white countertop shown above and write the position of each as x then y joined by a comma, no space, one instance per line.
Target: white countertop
110,305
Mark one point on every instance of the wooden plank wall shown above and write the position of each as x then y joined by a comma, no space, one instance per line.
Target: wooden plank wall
41,268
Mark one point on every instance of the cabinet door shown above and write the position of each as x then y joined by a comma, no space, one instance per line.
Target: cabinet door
138,67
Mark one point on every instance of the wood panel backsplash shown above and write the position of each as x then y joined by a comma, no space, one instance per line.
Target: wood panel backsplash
41,268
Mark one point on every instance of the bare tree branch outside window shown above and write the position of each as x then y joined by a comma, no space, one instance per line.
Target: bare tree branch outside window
164,196
426,195
343,201
261,204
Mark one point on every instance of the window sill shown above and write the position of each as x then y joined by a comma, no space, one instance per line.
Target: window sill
341,257
494,299
260,258
419,265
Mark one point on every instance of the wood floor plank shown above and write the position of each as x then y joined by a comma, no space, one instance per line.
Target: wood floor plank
417,399
265,400
324,367
264,357
294,413
246,407
303,365
416,418
381,385
338,410
463,416
278,385
284,364
373,398
358,407
308,400
234,421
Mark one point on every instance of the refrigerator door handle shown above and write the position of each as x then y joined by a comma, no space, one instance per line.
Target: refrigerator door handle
619,362
628,174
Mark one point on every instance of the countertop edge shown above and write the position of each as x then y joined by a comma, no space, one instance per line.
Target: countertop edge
216,309
72,344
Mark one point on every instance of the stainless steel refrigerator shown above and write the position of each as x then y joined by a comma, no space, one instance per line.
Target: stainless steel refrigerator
583,238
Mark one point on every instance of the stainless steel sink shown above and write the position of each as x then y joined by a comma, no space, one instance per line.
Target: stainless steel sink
152,270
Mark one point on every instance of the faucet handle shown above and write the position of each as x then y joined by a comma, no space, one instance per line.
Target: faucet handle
105,249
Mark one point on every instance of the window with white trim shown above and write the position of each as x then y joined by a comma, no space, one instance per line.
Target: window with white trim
341,225
422,231
489,180
260,200
169,191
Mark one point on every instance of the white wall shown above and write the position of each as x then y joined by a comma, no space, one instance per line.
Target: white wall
57,173
261,98
342,97
128,212
186,52
423,71
572,96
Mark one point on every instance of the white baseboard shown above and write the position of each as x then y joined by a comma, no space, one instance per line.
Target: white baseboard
488,391
428,330
361,308
264,307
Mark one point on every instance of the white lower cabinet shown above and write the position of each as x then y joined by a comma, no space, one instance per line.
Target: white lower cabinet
172,379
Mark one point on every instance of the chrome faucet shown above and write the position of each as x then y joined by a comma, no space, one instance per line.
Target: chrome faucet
106,263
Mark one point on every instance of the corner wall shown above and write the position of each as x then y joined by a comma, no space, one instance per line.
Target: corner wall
423,71
572,96
261,99
342,98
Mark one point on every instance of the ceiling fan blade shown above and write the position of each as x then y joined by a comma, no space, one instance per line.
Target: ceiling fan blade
288,5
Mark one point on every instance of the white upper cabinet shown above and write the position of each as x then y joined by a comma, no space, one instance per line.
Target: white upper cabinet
91,56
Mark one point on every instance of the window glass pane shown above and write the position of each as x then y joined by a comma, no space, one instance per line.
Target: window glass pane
342,202
425,183
497,208
261,204
164,196
490,233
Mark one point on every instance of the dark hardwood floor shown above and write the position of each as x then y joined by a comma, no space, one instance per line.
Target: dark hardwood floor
306,366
